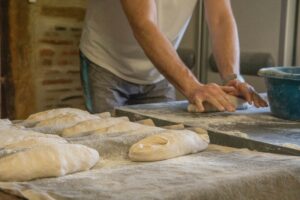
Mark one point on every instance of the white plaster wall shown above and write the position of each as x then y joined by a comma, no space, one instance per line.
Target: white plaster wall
259,28
258,24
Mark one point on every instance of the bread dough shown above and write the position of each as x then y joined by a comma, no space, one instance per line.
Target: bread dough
57,124
85,127
47,161
124,126
30,142
175,127
103,115
48,114
166,145
148,122
239,103
13,137
202,133
5,122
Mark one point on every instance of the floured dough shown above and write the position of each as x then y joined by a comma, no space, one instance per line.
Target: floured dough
12,137
166,145
124,126
47,161
82,128
239,103
30,142
5,122
148,122
48,114
292,146
202,133
57,124
174,127
103,115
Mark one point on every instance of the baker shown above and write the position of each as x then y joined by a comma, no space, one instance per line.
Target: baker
128,54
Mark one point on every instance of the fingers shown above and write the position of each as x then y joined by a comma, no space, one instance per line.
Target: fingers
214,95
218,98
199,105
230,90
225,102
251,96
263,102
246,91
258,100
216,104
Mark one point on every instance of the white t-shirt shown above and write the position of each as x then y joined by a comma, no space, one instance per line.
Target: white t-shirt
107,38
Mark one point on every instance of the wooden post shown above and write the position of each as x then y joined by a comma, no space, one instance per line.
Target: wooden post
4,59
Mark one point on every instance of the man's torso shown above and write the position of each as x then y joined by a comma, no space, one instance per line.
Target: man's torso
108,41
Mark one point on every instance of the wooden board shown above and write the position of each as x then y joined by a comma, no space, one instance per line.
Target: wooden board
254,128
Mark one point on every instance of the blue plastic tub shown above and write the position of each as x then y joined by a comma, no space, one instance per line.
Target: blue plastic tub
283,87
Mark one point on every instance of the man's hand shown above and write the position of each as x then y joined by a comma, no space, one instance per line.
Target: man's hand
246,91
213,94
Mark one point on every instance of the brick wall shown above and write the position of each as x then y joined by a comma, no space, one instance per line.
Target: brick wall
53,28
57,38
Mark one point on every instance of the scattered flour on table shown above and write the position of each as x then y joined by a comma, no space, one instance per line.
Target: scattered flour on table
292,146
236,133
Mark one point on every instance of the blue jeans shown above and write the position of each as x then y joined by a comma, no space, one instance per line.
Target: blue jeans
103,91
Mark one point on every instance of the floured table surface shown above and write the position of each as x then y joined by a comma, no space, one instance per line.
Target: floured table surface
218,173
252,128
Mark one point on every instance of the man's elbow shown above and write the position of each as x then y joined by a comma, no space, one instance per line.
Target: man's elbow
143,27
221,21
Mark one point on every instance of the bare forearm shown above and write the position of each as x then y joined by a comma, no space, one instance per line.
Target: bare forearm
157,46
165,58
224,36
226,49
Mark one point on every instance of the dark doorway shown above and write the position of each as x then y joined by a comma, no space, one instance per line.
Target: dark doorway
4,52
